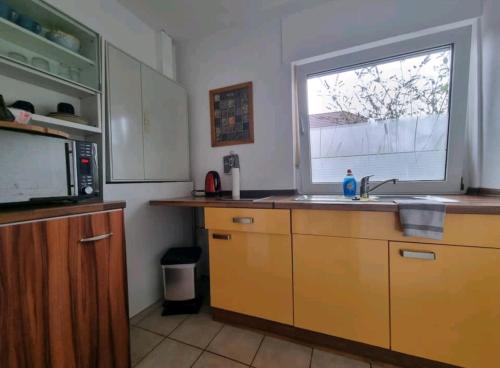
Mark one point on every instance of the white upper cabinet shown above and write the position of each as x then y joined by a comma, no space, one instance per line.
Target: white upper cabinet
125,136
148,138
166,148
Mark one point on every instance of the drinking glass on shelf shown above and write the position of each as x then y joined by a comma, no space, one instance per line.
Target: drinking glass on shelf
74,73
63,71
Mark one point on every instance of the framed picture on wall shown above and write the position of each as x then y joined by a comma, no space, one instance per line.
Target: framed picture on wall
231,115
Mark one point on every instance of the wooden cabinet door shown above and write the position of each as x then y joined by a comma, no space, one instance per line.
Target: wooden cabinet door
251,273
341,287
166,133
63,302
35,309
98,290
445,303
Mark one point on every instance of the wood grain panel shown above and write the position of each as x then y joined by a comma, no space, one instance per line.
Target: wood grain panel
63,303
12,215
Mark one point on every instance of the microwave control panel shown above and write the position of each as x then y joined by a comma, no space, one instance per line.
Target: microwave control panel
88,182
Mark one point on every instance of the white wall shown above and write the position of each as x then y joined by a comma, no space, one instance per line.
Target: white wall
231,57
341,24
491,95
149,231
263,55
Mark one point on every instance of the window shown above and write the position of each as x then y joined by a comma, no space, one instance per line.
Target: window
397,111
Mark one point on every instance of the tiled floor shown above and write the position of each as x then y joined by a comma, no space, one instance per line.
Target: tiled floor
199,342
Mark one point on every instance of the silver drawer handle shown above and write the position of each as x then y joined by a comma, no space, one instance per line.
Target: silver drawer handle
243,220
96,238
428,256
221,236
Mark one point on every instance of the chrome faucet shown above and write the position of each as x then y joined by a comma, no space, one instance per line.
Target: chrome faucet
364,187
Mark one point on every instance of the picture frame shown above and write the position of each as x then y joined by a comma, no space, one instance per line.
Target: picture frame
231,115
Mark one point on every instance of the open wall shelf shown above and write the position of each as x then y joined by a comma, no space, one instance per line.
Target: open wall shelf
41,45
80,66
32,129
67,126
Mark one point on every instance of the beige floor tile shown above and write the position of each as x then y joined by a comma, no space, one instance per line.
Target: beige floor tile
171,354
209,360
236,343
141,343
162,325
139,316
280,353
325,359
197,330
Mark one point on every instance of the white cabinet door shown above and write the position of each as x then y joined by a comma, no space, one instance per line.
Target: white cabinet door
125,131
166,140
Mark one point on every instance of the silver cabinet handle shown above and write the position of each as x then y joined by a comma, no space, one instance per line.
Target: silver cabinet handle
428,256
96,238
243,220
221,236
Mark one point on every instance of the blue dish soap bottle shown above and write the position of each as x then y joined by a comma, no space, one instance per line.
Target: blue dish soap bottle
349,185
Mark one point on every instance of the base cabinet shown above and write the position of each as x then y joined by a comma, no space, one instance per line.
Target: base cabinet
434,301
251,273
445,303
341,287
63,296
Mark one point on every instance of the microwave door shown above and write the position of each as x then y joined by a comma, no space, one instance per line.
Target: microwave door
32,167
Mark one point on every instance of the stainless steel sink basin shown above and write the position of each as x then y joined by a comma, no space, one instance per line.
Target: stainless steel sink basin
334,198
322,198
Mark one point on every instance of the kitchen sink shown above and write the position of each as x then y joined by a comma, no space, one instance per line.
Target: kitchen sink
335,198
322,198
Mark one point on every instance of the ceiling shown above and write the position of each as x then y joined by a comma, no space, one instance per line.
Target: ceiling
191,19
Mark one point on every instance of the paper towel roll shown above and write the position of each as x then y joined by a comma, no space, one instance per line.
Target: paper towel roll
235,172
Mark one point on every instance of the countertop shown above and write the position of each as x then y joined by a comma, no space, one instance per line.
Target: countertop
267,202
467,204
20,214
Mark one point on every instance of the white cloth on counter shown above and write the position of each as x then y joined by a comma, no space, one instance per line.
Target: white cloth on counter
422,218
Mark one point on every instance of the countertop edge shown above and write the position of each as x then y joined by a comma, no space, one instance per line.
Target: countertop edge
194,203
482,205
9,216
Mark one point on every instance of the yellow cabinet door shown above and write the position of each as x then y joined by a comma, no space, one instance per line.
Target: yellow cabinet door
341,287
251,273
445,303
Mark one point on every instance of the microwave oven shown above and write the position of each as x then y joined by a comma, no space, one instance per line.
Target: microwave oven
41,169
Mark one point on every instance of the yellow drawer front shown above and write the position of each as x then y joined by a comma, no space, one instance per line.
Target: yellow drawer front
251,273
459,229
445,303
341,287
248,220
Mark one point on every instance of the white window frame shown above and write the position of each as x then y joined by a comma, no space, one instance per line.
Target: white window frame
460,40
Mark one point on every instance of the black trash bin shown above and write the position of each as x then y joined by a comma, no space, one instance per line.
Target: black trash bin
181,280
